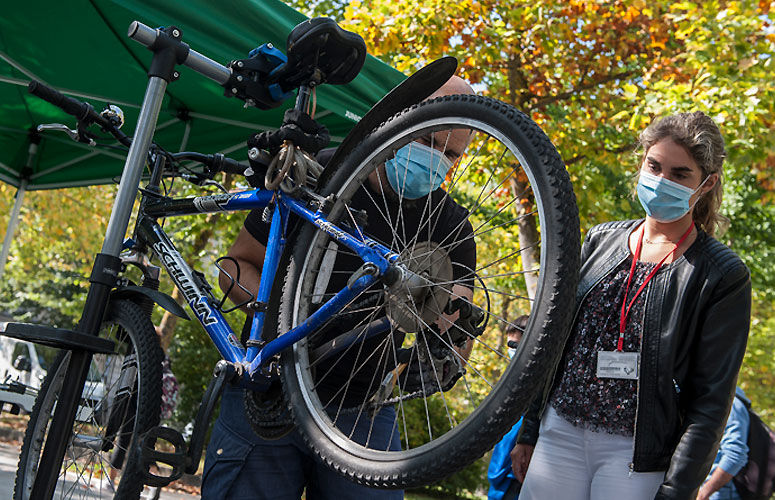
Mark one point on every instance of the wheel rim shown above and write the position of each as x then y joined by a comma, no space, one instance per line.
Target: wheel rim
490,220
86,468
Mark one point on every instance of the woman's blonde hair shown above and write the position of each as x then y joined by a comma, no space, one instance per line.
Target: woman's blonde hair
702,139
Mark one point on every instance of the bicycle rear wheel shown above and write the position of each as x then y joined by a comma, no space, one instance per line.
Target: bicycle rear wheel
120,400
500,238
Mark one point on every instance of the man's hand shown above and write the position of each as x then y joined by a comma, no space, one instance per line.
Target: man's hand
446,321
520,460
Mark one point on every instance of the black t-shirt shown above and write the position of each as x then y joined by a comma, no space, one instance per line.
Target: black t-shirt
362,368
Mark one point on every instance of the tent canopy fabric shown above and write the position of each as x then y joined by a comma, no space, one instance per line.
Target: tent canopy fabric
80,47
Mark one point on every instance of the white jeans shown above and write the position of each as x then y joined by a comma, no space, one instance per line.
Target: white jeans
572,463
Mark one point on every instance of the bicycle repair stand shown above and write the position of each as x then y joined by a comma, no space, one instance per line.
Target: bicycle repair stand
168,51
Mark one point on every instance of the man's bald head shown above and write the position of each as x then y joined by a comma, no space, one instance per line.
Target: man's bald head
452,142
454,85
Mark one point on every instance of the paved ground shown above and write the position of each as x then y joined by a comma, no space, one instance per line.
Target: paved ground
9,455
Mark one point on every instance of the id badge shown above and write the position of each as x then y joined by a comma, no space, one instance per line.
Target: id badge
615,364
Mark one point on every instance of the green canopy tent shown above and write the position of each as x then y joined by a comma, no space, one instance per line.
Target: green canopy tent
80,47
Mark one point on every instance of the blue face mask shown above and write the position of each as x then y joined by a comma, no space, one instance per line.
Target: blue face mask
663,199
417,170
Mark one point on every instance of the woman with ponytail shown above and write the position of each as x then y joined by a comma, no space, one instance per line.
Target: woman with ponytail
639,399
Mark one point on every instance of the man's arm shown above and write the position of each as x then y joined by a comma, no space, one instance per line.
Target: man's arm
249,254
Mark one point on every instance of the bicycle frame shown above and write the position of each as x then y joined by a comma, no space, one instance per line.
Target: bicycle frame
223,337
169,51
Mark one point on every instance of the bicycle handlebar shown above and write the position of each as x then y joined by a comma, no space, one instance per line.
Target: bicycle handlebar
216,162
230,166
82,111
215,71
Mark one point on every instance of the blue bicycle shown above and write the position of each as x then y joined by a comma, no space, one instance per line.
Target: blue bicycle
383,291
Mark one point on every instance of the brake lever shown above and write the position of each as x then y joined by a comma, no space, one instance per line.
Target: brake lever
74,135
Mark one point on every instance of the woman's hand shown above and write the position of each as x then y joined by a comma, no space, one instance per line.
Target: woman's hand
704,494
520,460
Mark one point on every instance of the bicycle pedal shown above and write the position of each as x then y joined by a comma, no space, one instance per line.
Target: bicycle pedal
150,455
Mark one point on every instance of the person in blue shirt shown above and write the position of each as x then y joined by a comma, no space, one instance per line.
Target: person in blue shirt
503,484
732,454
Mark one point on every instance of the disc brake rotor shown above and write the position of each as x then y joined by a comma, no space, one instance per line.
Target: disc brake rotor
419,298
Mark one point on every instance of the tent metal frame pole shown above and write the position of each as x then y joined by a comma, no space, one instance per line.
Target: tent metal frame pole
12,223
32,151
186,134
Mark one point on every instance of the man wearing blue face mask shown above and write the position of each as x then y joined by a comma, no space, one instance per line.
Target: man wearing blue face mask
239,463
417,170
638,401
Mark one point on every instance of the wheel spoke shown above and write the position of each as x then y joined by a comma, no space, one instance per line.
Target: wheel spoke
470,258
86,469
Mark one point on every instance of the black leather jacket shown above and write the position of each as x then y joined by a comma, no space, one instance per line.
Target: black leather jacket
696,321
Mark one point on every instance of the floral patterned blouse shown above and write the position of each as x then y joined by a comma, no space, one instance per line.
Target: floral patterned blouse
169,390
602,404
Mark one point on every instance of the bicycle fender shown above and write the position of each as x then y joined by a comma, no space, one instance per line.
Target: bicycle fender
411,91
162,299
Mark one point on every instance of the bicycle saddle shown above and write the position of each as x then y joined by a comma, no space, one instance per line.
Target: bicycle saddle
319,50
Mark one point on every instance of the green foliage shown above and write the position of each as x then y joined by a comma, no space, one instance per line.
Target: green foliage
756,373
58,233
330,8
55,299
467,483
192,358
463,483
591,73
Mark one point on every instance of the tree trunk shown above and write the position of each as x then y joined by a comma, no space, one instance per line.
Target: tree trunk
529,238
505,306
528,227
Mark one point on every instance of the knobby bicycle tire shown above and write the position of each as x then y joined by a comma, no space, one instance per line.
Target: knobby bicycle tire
462,417
122,391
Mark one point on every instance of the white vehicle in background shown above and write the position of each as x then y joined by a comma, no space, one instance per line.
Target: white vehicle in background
22,369
21,373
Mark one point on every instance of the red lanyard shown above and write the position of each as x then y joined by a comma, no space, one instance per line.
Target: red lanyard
625,307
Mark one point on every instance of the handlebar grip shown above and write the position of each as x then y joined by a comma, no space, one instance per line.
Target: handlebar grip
71,106
228,165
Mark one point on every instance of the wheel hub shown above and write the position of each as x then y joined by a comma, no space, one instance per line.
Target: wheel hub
419,297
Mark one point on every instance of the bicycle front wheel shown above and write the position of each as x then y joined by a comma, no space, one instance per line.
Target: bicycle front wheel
120,400
412,381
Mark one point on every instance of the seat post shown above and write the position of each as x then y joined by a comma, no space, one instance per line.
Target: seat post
302,98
